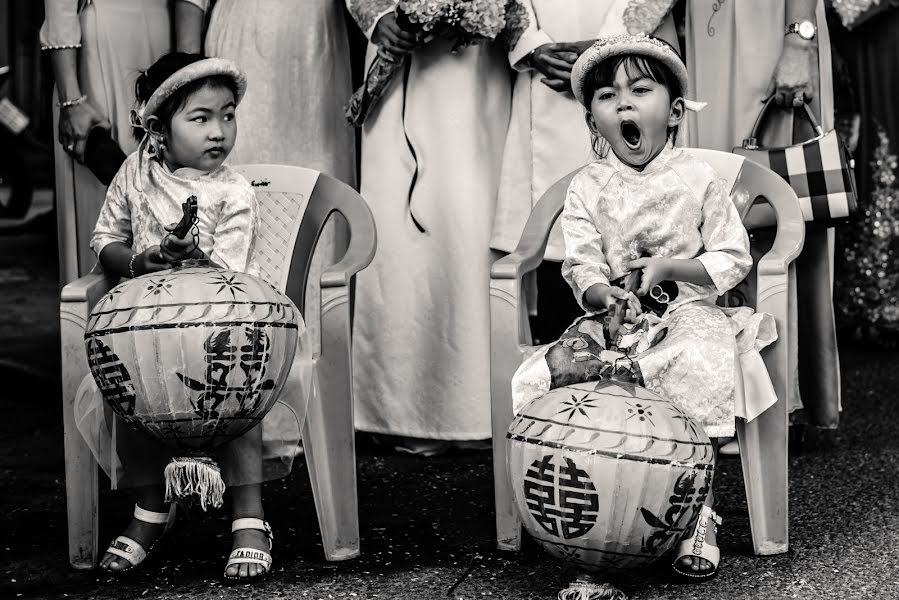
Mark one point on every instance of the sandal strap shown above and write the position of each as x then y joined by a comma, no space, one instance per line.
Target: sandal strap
252,523
254,556
148,516
128,549
708,512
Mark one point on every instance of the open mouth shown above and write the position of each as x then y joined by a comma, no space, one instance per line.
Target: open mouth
631,134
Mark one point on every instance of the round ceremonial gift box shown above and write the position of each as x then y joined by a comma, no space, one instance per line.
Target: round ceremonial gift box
607,475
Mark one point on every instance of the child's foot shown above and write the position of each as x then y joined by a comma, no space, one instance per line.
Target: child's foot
144,529
250,552
698,556
698,564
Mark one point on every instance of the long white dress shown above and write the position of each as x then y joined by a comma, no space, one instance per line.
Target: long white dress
732,50
296,57
431,154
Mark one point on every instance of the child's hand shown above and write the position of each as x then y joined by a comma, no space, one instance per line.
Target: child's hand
149,261
654,271
604,296
174,249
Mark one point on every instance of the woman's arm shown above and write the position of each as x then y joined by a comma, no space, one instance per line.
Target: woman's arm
61,36
795,78
189,19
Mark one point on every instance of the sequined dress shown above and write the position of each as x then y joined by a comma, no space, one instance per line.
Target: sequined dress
703,357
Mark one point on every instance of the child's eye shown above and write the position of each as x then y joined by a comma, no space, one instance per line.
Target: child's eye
641,90
605,95
229,117
199,119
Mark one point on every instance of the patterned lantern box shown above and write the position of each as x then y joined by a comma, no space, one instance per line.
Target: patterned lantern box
608,475
194,356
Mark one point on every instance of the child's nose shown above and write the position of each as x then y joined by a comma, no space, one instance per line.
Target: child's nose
216,132
624,103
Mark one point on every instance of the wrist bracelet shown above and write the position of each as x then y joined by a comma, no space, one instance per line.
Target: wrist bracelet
131,265
70,103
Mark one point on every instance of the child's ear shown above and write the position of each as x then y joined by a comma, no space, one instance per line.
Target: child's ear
154,126
677,112
591,122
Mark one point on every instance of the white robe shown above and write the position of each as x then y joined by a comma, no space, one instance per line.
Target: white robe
431,154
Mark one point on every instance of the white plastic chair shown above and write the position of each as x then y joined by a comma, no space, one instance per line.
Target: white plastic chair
294,205
764,199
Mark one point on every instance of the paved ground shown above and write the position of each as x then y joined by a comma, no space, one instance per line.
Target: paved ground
426,523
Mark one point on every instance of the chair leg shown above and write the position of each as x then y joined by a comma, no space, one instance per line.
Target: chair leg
764,440
505,356
81,468
328,433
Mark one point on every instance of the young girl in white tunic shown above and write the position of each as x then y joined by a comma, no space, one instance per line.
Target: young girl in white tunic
649,210
187,119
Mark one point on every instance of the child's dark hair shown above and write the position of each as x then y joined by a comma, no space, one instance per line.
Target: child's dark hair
635,66
167,65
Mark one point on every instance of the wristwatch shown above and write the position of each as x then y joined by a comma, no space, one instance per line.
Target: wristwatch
804,29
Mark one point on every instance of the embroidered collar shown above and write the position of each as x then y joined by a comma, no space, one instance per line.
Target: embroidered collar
653,166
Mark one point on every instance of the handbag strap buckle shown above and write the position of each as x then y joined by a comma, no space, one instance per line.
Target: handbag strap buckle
751,143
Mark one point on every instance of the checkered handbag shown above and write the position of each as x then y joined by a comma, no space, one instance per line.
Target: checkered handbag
819,170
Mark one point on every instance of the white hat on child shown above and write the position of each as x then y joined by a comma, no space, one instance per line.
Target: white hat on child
640,44
207,67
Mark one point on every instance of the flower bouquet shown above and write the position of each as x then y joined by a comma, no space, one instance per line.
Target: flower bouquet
465,22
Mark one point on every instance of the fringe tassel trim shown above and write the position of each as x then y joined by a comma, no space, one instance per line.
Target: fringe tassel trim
187,476
583,590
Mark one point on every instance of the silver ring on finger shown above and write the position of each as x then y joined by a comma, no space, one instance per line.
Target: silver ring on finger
798,99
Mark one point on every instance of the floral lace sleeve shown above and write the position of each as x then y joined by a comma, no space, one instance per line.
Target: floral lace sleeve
726,257
367,13
62,27
585,264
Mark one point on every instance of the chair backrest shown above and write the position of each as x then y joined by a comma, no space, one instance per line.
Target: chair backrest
294,205
762,197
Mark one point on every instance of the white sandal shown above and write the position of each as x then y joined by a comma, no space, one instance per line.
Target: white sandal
241,556
695,545
130,550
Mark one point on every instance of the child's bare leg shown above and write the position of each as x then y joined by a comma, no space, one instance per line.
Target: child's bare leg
695,563
145,459
243,462
150,497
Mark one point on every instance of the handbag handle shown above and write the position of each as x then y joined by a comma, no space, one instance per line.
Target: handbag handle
752,142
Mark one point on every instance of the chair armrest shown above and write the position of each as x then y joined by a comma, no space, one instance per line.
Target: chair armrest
363,235
88,289
532,245
790,235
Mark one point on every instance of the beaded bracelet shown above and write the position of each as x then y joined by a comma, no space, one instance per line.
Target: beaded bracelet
70,103
131,265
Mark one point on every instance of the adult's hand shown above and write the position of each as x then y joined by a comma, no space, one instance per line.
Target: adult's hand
75,123
554,62
795,77
393,39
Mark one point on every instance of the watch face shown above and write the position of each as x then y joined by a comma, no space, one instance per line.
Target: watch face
806,30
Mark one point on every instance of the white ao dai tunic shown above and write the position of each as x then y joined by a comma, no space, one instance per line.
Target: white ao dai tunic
695,354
